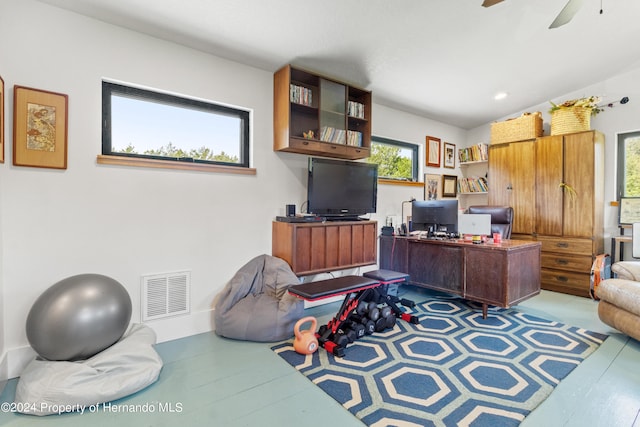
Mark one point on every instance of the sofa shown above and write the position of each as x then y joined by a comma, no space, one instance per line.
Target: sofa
619,305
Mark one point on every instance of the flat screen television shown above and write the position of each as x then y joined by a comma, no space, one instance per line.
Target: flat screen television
341,189
435,215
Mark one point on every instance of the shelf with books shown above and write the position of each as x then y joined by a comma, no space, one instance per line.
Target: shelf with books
478,153
472,185
316,115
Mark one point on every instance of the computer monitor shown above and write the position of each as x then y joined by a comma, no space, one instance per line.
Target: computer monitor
435,215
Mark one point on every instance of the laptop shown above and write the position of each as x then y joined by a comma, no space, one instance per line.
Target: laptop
476,224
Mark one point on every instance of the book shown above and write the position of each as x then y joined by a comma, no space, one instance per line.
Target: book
300,95
475,153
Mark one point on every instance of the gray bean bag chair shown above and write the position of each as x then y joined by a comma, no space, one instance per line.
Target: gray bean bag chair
255,305
51,387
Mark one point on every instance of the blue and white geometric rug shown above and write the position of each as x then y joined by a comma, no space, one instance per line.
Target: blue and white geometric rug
453,369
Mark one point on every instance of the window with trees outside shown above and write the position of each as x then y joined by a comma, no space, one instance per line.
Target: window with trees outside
153,125
396,160
628,174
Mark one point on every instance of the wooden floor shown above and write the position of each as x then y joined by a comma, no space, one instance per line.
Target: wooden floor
209,381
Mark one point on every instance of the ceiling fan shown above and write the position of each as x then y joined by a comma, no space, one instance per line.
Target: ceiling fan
565,15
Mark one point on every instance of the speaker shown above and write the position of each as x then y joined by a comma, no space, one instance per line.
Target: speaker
290,210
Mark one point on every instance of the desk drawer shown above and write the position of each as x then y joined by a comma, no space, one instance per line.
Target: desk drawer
566,245
566,282
567,262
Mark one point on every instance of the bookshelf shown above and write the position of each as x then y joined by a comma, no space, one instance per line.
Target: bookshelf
317,115
473,164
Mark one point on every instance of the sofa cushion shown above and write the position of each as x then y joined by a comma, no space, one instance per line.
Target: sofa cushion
619,319
627,270
621,293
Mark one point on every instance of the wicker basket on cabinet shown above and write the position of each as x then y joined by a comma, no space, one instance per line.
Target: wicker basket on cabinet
527,126
570,120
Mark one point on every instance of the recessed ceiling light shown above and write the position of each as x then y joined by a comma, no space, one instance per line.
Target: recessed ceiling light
500,95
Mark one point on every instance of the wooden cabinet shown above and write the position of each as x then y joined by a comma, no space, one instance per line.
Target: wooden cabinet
556,187
512,182
339,115
569,208
311,248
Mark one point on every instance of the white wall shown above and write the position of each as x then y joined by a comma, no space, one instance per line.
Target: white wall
398,125
118,221
618,119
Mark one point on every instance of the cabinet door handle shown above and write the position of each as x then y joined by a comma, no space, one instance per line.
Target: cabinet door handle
305,142
562,261
333,147
562,279
562,245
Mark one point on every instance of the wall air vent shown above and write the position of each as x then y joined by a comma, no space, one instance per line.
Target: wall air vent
165,295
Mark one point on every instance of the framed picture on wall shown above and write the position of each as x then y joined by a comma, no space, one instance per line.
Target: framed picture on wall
449,158
39,128
433,151
432,186
449,185
629,210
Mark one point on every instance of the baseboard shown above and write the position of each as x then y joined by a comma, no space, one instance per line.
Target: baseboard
14,361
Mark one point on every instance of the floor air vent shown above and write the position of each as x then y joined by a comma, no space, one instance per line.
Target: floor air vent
165,295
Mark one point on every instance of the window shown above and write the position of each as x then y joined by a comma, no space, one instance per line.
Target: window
396,160
628,173
151,125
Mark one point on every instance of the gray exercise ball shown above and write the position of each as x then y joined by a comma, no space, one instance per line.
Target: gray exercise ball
78,317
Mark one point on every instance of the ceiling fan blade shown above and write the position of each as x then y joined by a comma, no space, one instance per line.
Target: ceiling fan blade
489,3
567,13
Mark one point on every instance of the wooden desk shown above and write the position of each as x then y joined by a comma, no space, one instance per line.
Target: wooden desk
498,274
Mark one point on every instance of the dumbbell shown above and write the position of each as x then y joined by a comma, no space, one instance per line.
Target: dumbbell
361,309
368,308
380,324
385,311
389,316
373,312
369,325
390,320
340,339
351,334
358,328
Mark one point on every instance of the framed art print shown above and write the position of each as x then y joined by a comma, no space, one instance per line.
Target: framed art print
629,210
39,128
432,187
449,158
433,152
449,185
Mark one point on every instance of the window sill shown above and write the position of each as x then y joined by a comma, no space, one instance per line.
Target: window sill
169,164
400,182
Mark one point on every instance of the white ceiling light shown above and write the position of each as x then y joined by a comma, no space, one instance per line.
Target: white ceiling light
500,95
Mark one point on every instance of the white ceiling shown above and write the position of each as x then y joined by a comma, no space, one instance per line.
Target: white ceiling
443,59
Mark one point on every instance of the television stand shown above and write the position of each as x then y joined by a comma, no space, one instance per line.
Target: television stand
320,247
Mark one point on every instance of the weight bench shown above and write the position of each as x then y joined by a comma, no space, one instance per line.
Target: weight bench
356,289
